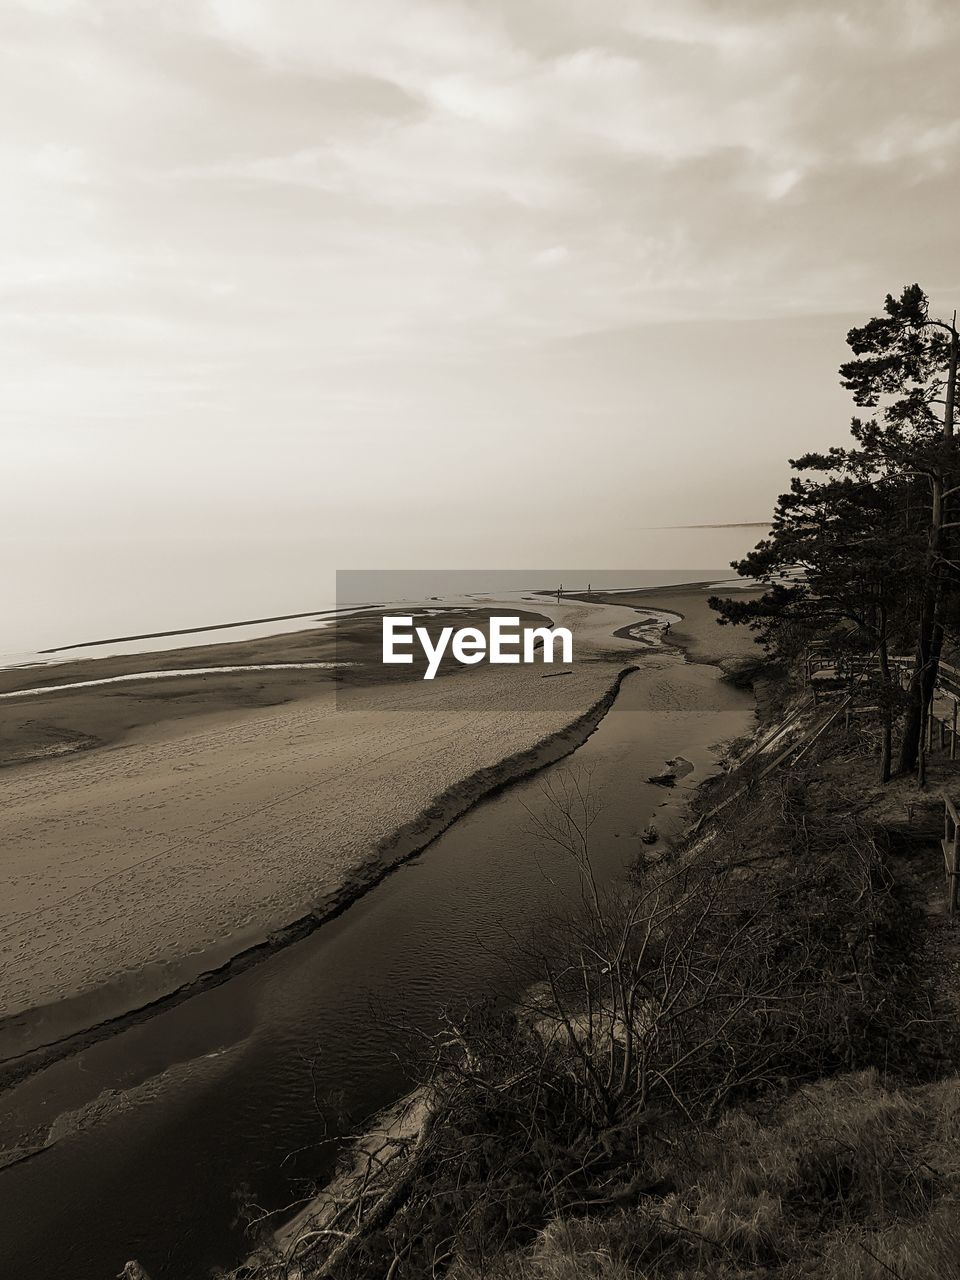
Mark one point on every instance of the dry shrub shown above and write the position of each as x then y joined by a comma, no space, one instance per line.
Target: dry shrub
592,1133
926,1250
850,1181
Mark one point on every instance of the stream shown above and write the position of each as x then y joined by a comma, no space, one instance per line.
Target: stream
241,1093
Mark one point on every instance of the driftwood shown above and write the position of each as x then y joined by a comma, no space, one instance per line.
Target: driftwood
389,1202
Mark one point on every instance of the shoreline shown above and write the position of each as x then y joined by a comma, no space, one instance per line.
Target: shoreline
42,1034
843,832
180,673
400,846
90,1101
396,1124
189,631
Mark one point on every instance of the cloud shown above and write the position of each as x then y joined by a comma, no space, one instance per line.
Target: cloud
62,164
321,185
552,257
283,274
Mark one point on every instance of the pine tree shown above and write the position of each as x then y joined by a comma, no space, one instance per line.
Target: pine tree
906,365
850,540
874,538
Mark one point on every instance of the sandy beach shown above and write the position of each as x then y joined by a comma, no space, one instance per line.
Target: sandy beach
227,811
214,811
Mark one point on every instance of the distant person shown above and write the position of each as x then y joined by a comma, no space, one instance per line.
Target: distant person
559,592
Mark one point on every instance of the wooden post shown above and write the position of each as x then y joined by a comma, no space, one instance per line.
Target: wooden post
946,845
953,733
951,852
946,825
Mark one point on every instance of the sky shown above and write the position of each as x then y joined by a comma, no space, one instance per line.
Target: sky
295,285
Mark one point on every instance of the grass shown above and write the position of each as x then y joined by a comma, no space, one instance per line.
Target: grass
681,1106
848,1180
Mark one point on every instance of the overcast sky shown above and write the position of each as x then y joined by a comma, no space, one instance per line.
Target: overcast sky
294,284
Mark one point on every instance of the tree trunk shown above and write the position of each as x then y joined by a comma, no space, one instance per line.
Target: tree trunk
886,709
930,629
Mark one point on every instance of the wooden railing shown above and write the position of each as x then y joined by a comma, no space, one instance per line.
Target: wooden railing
943,721
951,851
841,675
942,730
848,669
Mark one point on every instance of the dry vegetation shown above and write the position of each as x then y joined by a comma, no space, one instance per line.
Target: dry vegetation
737,1068
742,1066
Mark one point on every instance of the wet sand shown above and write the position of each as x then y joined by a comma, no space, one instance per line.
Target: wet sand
697,633
222,813
84,719
154,1128
129,870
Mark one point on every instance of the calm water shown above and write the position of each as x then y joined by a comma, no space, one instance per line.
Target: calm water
28,639
234,1091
